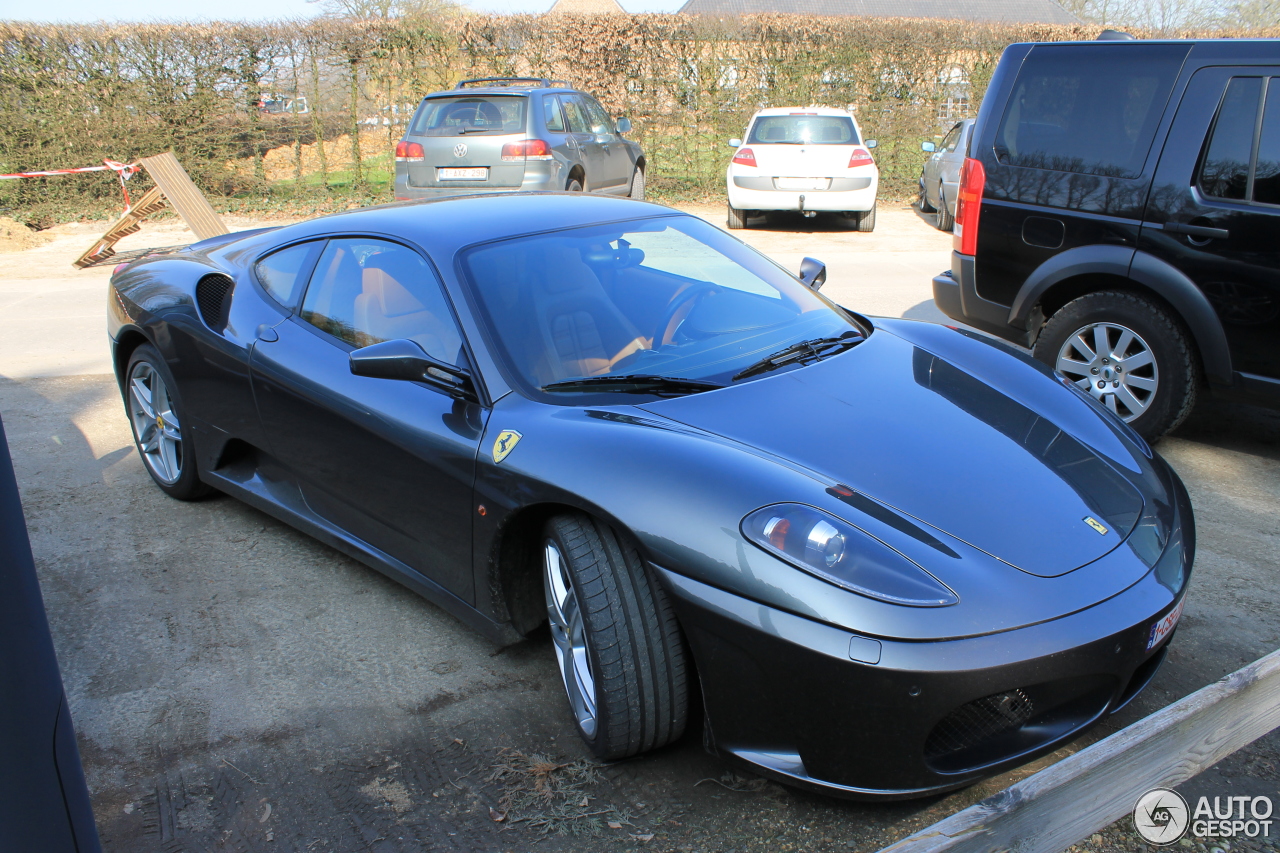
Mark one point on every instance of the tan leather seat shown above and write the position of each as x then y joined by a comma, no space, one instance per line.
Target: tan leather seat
388,310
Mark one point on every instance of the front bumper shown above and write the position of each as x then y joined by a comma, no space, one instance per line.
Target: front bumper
843,194
861,717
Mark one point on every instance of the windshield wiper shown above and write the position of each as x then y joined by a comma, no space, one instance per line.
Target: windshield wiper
813,350
634,383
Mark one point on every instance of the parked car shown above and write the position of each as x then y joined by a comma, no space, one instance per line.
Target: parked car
1118,212
889,557
504,134
807,159
940,177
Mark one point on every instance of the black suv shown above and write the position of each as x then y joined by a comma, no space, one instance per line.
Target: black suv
1119,213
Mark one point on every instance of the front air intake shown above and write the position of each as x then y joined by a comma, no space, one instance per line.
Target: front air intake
211,298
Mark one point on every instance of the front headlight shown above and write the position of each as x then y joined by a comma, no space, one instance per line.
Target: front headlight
836,551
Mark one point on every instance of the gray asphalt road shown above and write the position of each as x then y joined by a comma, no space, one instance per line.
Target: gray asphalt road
237,686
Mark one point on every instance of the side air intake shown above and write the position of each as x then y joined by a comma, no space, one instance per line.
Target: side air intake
211,298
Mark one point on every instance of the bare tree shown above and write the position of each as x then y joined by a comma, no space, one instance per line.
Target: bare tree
409,10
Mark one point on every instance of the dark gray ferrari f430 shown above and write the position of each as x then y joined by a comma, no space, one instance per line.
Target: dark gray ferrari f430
893,557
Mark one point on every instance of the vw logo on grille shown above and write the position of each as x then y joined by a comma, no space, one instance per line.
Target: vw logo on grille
460,150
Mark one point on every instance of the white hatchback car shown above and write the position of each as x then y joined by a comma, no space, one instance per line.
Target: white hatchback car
808,159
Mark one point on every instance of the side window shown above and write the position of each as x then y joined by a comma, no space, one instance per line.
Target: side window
1224,171
1266,175
952,138
280,272
576,115
366,291
551,113
1091,109
600,121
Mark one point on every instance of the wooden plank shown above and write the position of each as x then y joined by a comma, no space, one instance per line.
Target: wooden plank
184,195
1085,792
151,201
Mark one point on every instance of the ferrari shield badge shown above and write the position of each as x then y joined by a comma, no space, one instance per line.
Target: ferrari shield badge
507,441
1088,519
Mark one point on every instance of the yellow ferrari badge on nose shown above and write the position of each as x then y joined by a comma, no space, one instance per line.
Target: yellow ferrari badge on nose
1096,525
507,441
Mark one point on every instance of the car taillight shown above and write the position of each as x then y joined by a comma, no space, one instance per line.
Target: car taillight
973,179
409,152
120,267
526,149
745,157
861,157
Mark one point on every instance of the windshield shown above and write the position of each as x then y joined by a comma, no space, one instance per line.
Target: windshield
804,129
666,297
471,115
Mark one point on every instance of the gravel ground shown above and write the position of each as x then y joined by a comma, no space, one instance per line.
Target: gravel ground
237,686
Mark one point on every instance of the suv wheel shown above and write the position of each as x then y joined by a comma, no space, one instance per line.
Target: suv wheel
1129,353
574,186
946,221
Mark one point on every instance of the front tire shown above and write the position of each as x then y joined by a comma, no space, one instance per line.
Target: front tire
161,431
619,648
925,206
1129,353
737,219
637,184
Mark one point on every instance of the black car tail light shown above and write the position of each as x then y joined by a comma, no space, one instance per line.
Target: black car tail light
973,180
211,298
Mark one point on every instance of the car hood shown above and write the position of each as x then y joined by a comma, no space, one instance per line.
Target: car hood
1033,479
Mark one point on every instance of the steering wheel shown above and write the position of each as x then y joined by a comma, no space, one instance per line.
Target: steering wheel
691,294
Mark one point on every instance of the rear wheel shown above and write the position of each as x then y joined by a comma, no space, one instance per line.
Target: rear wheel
1129,354
574,186
161,431
620,651
637,184
867,219
737,218
946,220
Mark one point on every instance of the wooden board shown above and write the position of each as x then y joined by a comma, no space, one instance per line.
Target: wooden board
151,201
1081,794
184,195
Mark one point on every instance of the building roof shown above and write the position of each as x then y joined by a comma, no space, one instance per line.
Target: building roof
994,11
586,7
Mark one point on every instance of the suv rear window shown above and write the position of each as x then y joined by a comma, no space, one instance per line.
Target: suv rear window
806,130
1088,108
470,115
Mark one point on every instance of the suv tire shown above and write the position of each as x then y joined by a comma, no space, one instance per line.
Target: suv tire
1163,375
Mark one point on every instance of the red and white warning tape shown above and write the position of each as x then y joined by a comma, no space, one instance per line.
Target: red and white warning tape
124,171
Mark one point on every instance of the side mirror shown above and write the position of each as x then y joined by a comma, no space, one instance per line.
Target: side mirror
870,143
928,146
404,359
623,125
813,272
735,143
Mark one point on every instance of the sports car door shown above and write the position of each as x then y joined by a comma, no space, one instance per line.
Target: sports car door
391,462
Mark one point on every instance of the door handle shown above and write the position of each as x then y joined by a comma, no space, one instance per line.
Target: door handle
1203,232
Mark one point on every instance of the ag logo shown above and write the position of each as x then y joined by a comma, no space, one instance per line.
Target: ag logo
460,150
1161,816
507,441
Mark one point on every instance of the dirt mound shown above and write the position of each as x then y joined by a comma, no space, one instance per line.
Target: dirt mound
16,237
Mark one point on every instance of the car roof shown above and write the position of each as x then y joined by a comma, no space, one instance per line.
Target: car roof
521,91
786,111
443,226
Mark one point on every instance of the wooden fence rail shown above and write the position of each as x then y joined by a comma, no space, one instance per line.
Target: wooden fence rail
1091,789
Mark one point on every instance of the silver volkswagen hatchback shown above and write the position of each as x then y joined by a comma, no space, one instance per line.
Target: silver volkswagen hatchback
504,134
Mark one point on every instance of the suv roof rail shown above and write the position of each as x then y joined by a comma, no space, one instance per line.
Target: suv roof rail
512,81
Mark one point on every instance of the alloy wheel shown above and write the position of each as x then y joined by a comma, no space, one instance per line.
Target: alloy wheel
155,423
568,634
1114,364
